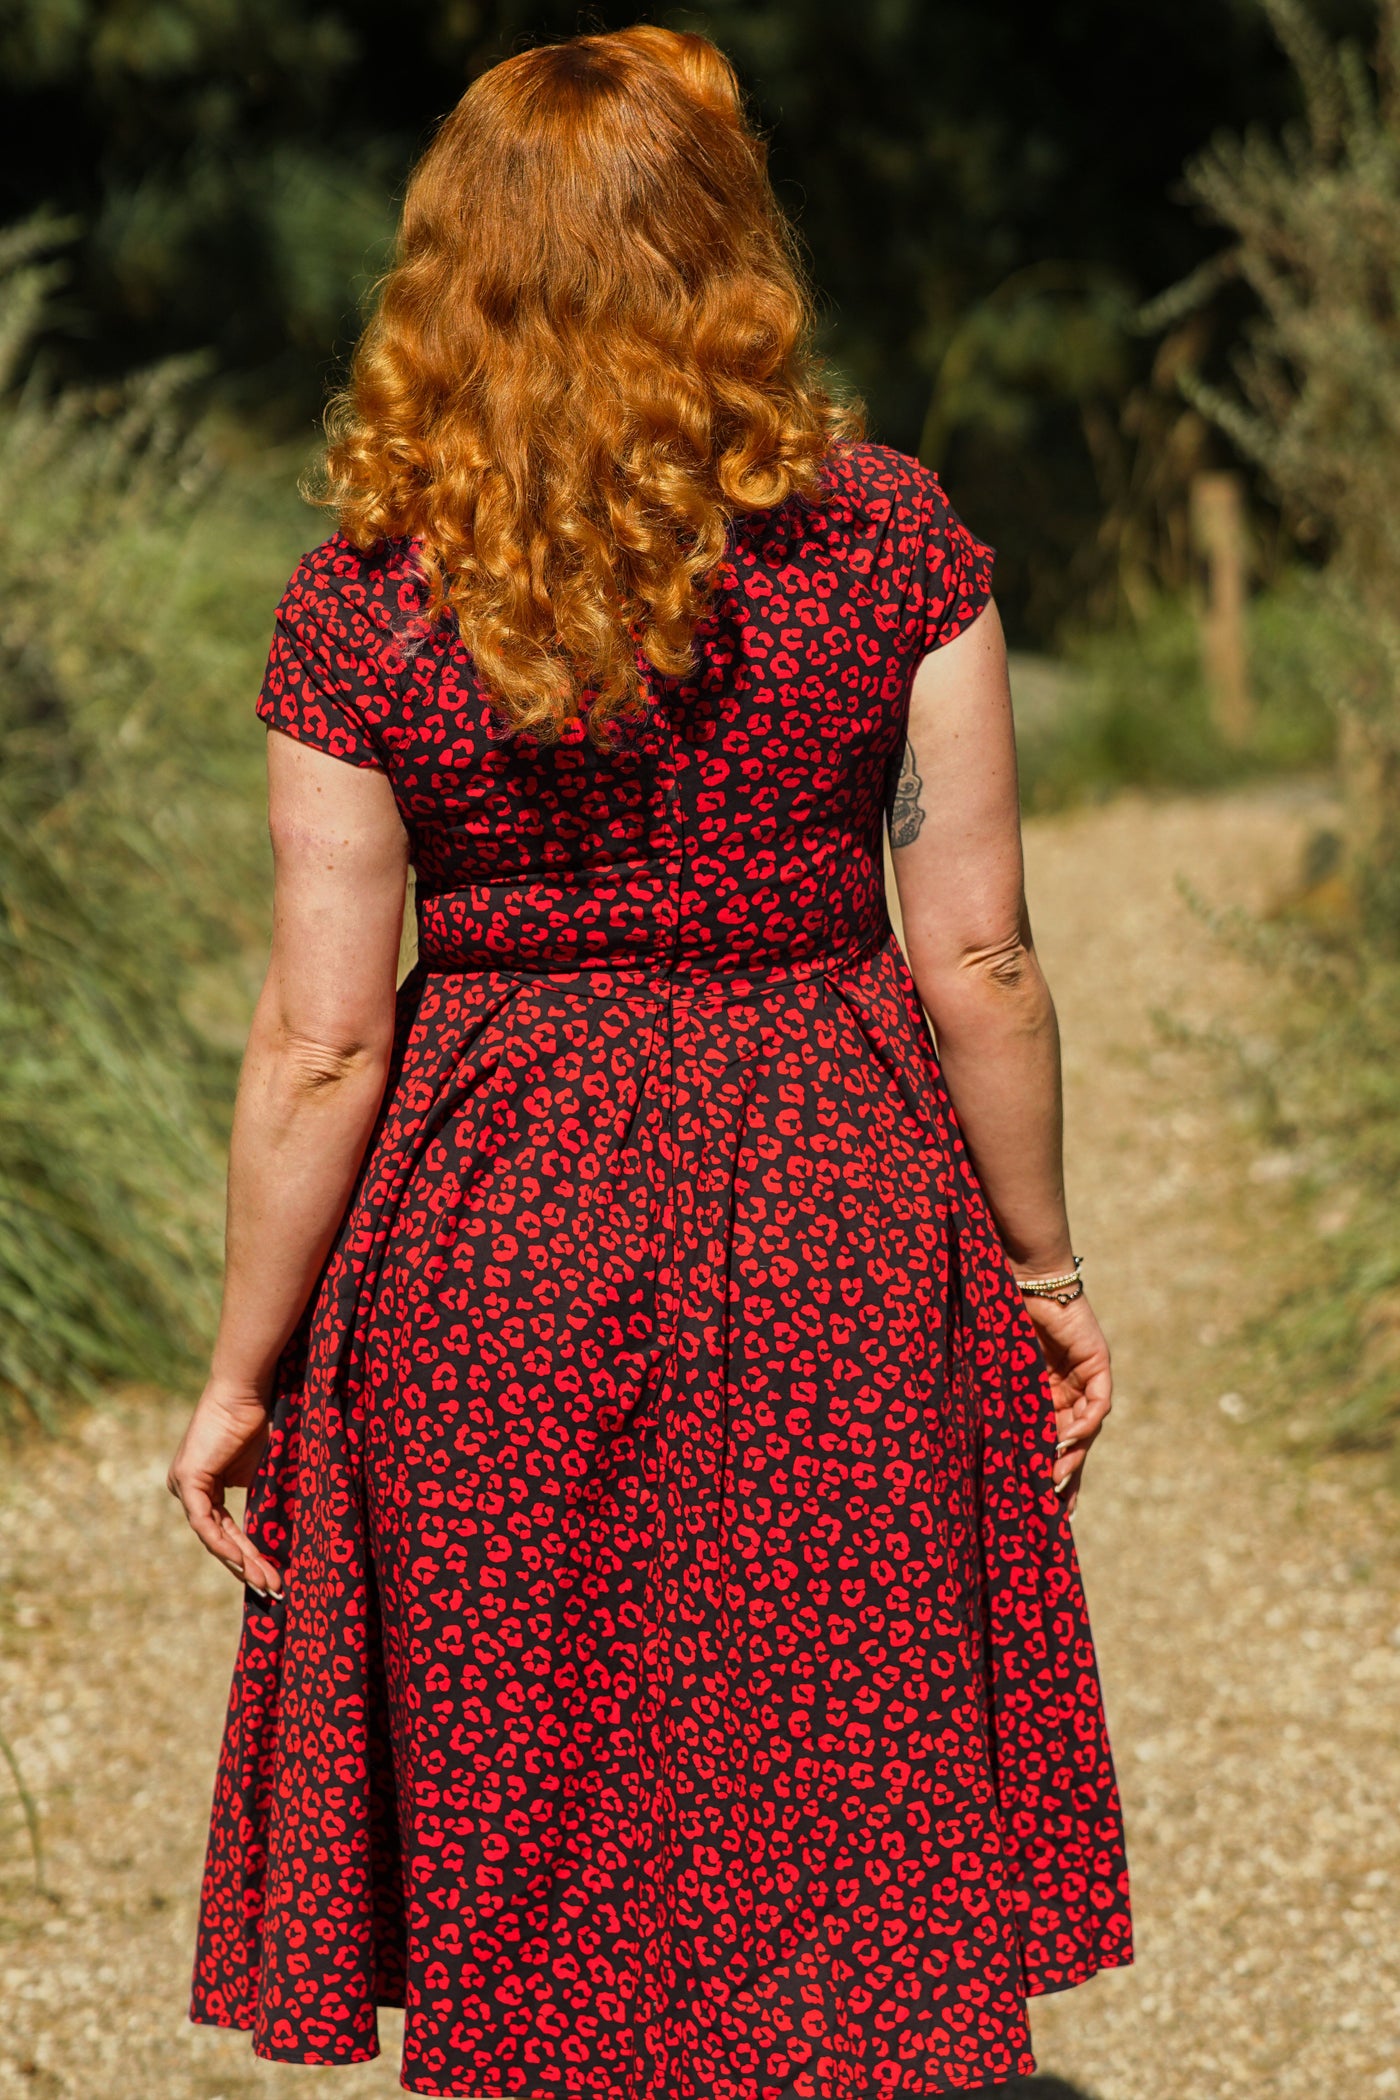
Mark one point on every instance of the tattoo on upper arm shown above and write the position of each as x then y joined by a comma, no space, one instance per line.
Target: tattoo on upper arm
906,812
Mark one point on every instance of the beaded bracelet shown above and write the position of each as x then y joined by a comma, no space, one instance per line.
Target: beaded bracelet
1063,1289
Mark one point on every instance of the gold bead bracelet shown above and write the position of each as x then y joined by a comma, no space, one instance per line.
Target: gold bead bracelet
1063,1289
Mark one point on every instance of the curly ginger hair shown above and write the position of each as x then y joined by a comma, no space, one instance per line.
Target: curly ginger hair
592,351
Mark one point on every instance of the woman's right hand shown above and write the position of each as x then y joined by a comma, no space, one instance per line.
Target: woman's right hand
1081,1378
220,1448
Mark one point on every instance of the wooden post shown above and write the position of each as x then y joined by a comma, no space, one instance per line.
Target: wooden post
1217,528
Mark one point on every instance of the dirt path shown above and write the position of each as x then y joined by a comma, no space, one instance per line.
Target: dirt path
1248,1621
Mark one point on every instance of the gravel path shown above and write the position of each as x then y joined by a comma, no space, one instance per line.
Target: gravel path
1248,1617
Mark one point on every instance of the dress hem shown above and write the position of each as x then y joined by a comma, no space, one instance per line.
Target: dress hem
1025,2068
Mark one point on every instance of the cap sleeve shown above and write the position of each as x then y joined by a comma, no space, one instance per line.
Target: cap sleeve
952,571
324,683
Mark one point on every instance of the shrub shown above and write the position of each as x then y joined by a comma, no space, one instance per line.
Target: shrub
1315,226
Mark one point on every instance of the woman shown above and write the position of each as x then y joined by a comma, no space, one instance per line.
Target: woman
665,1668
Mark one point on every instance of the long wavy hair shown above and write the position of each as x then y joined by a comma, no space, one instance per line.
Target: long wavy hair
592,351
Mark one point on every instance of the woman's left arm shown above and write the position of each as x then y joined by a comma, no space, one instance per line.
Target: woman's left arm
956,851
311,1086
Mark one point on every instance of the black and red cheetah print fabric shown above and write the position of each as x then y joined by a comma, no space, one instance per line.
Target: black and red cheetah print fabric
683,1686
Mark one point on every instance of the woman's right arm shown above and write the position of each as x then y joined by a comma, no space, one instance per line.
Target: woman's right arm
311,1086
955,838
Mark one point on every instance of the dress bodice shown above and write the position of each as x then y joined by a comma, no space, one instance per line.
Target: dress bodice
734,826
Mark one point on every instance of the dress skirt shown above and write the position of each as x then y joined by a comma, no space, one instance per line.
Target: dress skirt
683,1684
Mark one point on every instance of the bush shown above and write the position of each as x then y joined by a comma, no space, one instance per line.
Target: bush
136,577
1315,226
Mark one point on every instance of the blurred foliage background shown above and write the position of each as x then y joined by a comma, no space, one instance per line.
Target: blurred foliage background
1089,259
985,194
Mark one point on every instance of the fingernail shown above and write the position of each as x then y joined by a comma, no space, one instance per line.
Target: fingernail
1061,1485
256,1591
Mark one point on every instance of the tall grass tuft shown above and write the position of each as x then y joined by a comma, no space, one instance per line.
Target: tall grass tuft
137,575
1322,1084
1338,1096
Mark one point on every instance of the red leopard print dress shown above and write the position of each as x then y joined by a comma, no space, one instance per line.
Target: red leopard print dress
683,1685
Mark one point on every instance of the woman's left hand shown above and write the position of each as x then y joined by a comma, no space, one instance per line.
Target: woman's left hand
1081,1378
220,1449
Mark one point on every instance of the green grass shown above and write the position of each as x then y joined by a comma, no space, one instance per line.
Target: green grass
1321,1085
1334,1096
1133,709
138,569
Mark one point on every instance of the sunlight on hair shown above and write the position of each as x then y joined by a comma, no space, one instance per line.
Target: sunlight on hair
593,350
